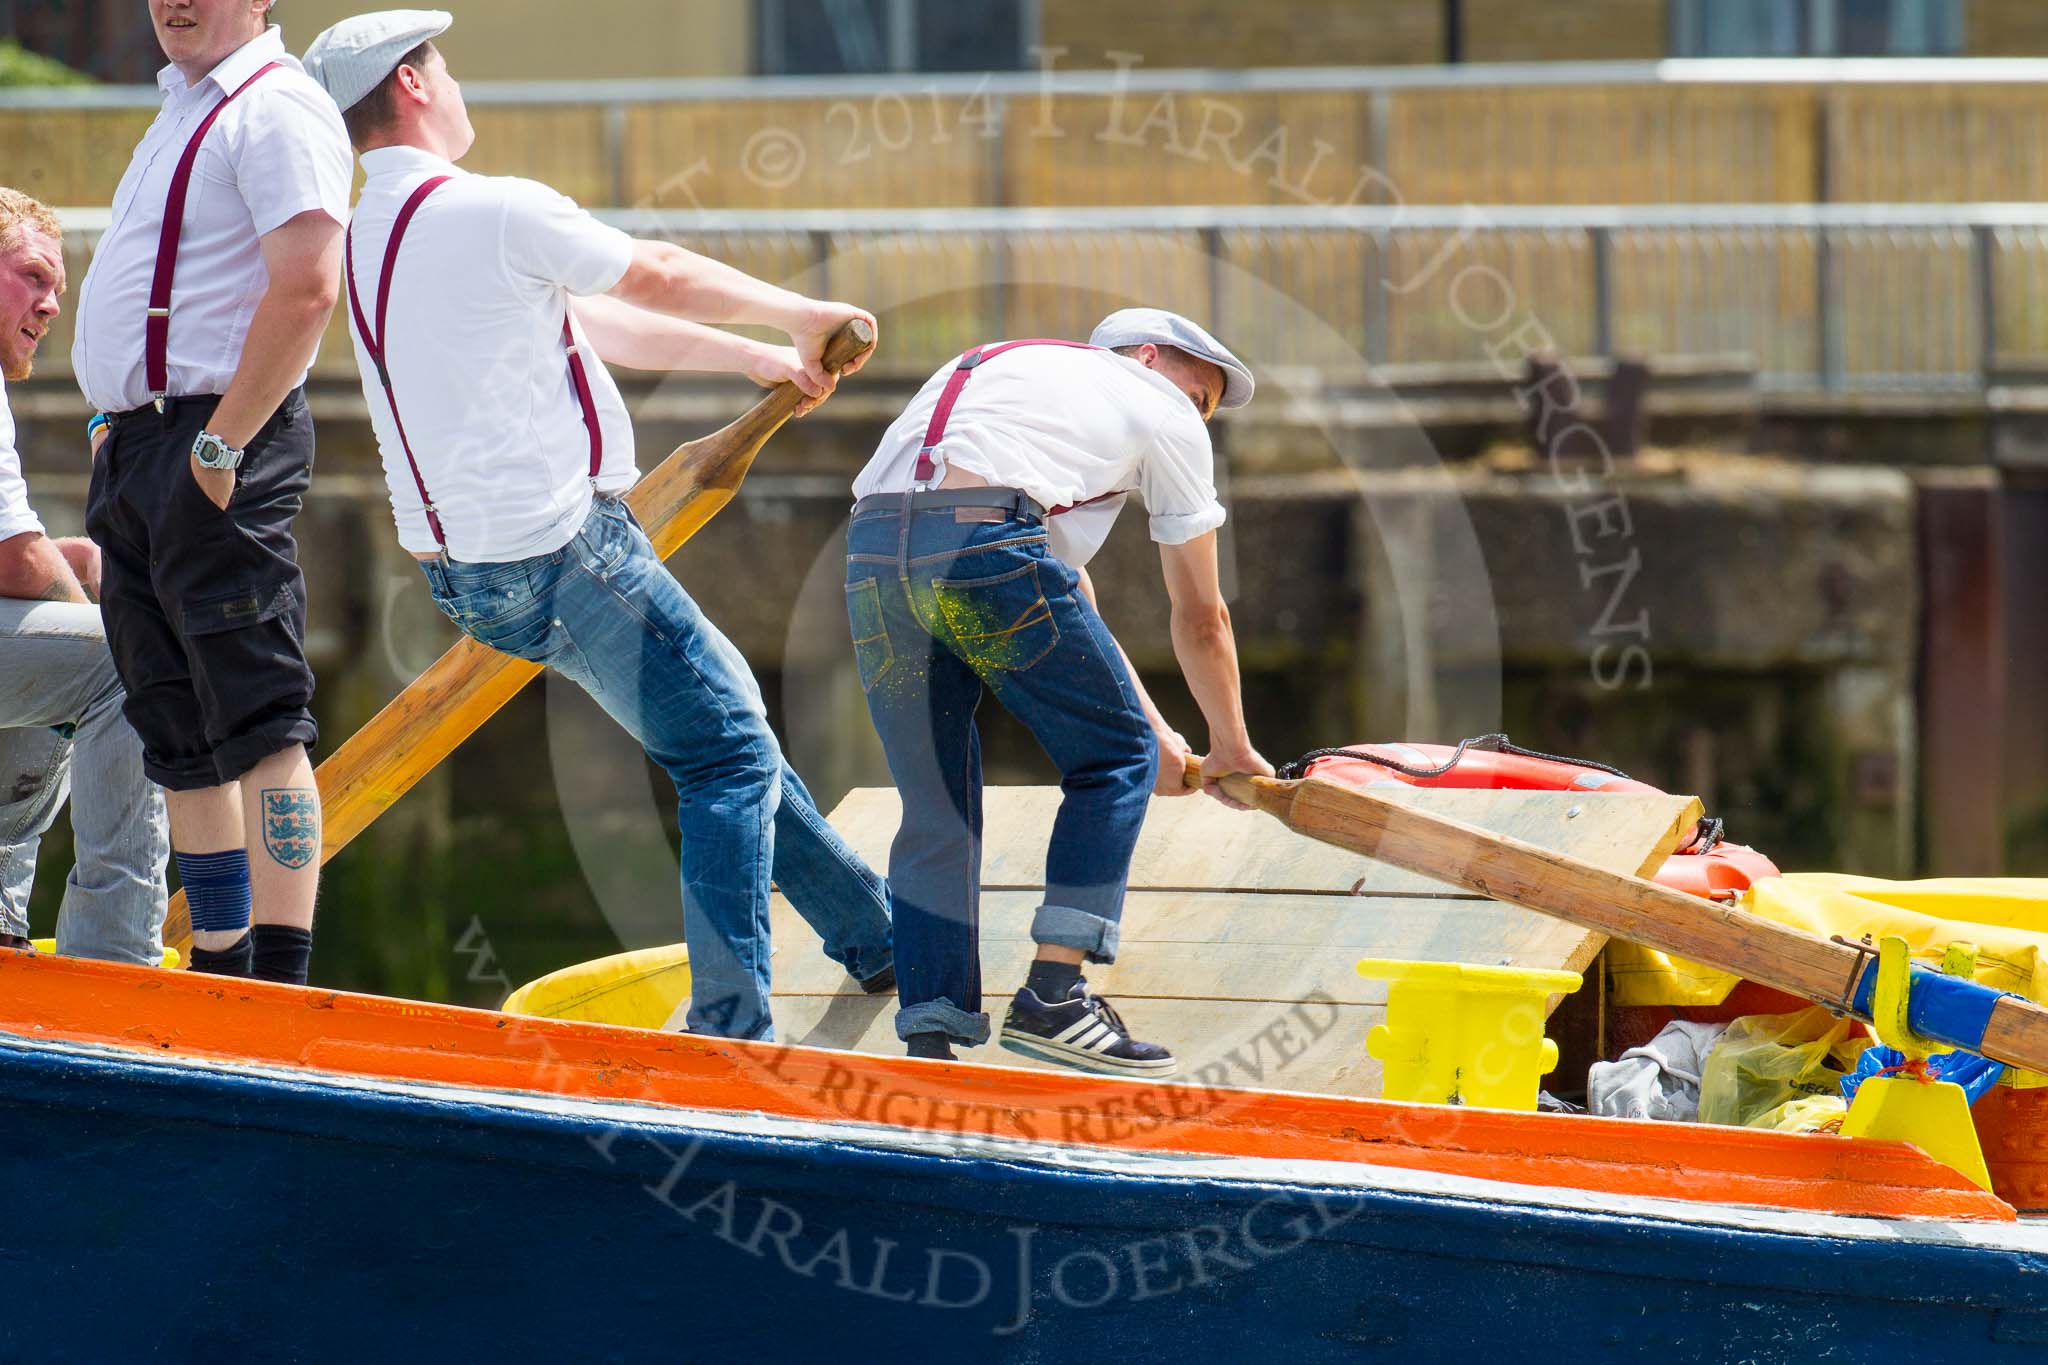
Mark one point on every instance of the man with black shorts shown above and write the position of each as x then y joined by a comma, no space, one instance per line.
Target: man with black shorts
197,322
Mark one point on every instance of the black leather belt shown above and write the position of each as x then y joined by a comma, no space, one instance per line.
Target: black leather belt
1010,500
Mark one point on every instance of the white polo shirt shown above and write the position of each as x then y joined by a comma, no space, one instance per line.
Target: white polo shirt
473,342
1066,426
278,151
16,516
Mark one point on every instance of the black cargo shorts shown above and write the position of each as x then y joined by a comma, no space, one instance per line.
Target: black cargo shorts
205,608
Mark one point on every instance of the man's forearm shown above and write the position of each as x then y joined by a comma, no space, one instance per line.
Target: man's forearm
1207,651
283,335
641,339
32,569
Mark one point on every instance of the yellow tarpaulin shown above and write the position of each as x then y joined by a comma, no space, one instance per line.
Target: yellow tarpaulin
2006,917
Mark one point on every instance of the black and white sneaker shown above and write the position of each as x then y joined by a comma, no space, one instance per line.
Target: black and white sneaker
1081,1031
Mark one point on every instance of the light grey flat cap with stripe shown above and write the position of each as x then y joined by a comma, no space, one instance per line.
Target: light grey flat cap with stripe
1136,326
352,58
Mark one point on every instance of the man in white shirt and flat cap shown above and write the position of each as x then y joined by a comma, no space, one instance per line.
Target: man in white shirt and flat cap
481,306
197,322
965,574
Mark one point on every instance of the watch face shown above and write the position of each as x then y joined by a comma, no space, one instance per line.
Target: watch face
214,453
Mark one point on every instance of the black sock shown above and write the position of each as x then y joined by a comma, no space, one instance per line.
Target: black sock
933,1046
281,953
232,960
1050,981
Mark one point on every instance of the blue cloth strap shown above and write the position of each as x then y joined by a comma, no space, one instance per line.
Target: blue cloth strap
1949,1009
217,887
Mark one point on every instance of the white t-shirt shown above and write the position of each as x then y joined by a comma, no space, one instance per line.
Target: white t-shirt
1066,426
278,151
473,341
16,516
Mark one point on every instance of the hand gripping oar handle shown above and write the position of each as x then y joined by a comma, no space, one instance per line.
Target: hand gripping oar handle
465,687
1963,1014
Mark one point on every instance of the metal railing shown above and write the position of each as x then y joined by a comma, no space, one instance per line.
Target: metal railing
1830,298
1787,131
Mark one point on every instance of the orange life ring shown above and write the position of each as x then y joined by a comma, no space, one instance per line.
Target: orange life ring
1476,769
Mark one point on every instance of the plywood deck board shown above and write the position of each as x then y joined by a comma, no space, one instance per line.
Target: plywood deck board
1230,944
1193,842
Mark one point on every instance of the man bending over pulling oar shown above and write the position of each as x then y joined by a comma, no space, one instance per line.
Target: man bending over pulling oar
963,573
507,447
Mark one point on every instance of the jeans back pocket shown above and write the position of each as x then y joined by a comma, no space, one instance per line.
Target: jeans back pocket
872,652
998,624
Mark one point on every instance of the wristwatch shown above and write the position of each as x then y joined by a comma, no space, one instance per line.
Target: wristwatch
214,453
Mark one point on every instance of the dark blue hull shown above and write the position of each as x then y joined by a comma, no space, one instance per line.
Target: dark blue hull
160,1211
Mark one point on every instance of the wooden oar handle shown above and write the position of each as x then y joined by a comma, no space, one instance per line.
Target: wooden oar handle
848,344
1191,775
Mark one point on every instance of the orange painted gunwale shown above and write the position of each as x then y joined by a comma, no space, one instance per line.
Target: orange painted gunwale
160,1012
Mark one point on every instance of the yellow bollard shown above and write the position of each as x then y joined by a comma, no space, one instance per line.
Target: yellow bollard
1932,1115
1457,1033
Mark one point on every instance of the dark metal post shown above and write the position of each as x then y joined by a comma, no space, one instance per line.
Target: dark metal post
1984,269
1826,320
1603,290
1962,675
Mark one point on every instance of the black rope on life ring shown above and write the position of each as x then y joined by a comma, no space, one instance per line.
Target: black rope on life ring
1495,743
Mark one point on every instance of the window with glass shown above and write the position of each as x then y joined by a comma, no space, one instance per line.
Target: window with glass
851,37
1816,28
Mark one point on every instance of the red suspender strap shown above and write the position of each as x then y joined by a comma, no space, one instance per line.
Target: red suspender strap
957,381
373,341
580,382
156,324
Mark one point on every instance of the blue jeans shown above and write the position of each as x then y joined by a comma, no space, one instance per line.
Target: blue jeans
603,612
61,730
943,606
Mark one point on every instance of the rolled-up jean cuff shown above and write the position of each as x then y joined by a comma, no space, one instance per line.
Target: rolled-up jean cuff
942,1016
1067,927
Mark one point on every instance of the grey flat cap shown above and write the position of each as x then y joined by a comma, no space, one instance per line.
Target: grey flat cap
353,58
1136,326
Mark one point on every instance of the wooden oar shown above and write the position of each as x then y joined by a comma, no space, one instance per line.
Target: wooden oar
1620,906
465,687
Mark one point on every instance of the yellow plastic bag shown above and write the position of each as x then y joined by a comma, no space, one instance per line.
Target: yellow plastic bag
1766,1061
1812,1114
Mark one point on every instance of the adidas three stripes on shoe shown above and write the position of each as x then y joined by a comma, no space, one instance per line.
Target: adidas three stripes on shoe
1081,1031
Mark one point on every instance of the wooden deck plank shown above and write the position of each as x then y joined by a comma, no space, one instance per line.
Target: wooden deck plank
1193,842
1221,944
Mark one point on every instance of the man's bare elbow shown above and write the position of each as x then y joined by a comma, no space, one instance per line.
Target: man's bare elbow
656,274
1202,623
